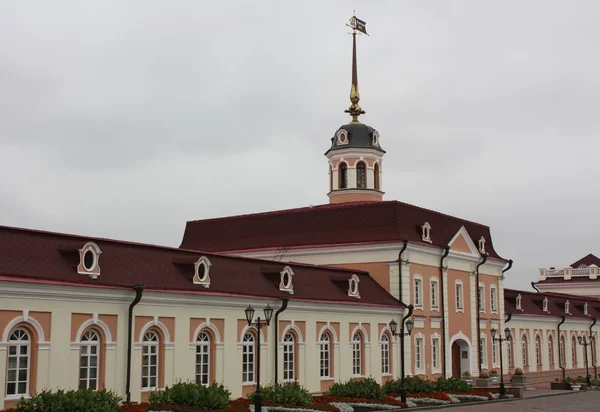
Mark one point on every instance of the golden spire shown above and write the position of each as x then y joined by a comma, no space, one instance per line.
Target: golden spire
354,110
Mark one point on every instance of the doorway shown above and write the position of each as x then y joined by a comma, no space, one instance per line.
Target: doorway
461,357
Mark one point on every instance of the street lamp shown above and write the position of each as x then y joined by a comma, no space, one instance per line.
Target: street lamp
409,327
258,325
585,343
500,339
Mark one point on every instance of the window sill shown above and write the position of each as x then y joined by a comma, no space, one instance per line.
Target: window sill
418,308
327,378
248,383
17,397
435,309
461,310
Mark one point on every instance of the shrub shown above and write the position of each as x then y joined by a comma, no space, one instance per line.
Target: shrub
215,396
72,401
366,389
452,385
286,394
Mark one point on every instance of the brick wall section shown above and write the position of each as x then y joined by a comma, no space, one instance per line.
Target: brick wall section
543,379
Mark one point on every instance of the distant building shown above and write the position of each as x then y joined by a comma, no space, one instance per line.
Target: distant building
579,278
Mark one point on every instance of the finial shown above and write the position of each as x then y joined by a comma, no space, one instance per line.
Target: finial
354,110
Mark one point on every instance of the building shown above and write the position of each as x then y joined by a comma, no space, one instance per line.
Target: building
579,278
74,313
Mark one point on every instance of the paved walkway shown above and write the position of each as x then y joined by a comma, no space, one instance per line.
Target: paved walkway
572,402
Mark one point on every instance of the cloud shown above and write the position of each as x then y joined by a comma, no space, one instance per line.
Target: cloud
125,119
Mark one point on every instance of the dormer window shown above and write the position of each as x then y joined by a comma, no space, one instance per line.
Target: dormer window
585,309
201,272
342,136
353,287
89,258
567,307
285,284
376,138
426,232
545,305
518,303
482,244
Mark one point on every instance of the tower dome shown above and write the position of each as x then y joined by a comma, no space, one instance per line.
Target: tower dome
355,155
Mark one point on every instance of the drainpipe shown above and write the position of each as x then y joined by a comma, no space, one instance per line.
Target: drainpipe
563,317
284,304
483,260
404,246
593,349
442,307
139,288
509,267
535,287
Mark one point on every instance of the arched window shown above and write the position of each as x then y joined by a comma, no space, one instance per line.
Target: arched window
573,350
325,354
361,175
289,357
538,353
343,175
330,179
561,349
550,350
203,359
19,363
509,350
385,354
357,354
89,360
248,352
150,360
376,173
524,350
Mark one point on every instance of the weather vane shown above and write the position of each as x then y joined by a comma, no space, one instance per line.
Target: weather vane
354,110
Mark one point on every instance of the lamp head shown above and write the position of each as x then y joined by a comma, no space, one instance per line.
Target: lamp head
409,326
579,339
393,326
507,333
268,314
493,332
249,314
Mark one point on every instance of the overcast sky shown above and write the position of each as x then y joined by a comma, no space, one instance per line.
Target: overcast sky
125,119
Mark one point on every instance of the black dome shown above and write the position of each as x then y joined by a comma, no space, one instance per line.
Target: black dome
355,135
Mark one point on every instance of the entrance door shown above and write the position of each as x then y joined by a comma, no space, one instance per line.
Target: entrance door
455,360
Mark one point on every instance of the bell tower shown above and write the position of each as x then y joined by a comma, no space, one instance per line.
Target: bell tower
355,156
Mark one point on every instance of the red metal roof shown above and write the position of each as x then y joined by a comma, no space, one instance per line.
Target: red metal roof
43,257
331,224
532,304
587,261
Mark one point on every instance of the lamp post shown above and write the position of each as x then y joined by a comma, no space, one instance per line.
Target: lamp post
409,327
500,339
585,343
258,325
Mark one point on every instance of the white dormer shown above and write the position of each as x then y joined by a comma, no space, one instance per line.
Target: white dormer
285,283
89,260
567,307
201,272
353,287
585,309
342,136
482,244
545,305
426,232
518,302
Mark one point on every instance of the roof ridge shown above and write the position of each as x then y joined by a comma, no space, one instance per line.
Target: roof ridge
334,206
179,250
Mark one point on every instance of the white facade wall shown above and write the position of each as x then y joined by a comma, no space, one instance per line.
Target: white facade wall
58,361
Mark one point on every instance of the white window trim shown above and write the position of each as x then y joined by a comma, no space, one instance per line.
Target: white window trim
434,284
289,348
251,344
426,236
438,368
18,344
495,359
388,343
420,279
483,354
493,299
357,348
545,305
156,343
421,369
482,297
205,346
462,296
518,302
538,344
322,345
482,244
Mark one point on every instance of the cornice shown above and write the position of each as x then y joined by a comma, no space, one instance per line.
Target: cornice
63,293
